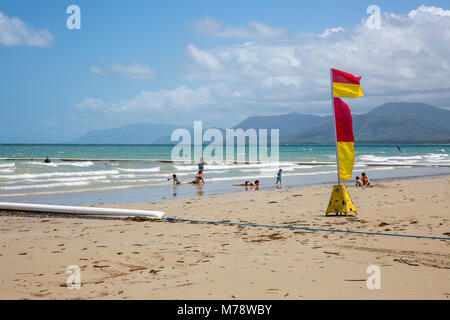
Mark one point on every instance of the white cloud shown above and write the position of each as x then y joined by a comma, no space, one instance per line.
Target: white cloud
408,54
408,59
204,58
15,32
214,28
131,71
96,70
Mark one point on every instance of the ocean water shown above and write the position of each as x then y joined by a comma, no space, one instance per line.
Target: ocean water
108,181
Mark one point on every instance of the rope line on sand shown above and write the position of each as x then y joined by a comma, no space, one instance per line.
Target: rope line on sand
305,228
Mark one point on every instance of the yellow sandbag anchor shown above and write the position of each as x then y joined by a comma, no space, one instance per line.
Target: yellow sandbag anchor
340,201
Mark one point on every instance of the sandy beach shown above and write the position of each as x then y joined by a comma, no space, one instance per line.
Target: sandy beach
124,259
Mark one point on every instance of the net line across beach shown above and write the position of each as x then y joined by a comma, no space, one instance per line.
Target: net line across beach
303,228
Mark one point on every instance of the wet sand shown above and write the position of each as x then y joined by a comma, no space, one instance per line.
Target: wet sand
123,259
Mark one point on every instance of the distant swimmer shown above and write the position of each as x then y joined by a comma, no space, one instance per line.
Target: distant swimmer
47,160
399,149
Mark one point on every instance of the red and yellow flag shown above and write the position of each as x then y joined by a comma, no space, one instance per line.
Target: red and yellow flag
345,139
346,85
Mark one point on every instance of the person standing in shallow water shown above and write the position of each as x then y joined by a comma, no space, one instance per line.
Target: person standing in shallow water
47,160
279,177
201,165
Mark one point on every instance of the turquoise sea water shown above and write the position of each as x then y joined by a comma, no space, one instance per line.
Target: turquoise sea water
77,182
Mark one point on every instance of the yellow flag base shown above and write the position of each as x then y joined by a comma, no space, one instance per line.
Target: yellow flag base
340,202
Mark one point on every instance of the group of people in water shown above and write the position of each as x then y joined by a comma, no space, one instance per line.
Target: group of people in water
198,179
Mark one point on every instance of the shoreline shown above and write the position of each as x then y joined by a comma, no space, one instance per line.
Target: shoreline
115,194
126,259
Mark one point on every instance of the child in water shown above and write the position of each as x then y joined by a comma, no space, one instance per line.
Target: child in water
175,179
279,176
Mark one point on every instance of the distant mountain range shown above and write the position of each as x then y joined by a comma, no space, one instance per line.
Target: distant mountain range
395,122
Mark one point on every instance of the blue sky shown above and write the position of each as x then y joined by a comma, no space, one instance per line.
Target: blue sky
217,61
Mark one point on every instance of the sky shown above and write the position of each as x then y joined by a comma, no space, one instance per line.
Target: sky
217,61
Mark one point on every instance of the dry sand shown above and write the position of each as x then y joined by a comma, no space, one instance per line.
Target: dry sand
122,259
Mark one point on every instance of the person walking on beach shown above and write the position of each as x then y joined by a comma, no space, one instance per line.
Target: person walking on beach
279,177
365,179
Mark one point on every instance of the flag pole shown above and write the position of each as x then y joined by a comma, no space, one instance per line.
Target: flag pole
335,129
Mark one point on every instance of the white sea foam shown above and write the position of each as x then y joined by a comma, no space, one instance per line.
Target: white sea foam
435,156
46,186
7,165
373,158
274,170
74,179
240,178
228,166
8,170
82,164
59,174
155,169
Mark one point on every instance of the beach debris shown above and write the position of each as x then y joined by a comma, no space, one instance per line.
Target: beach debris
383,224
355,279
335,253
153,271
138,219
406,262
138,269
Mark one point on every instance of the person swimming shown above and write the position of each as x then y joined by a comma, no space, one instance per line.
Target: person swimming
248,184
47,160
